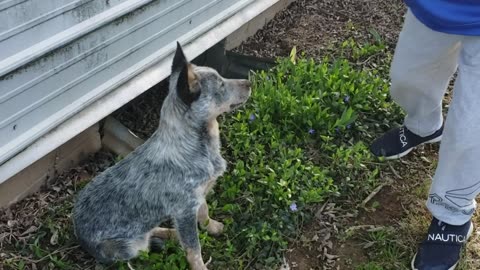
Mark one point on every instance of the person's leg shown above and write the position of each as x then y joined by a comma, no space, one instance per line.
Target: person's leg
457,180
422,66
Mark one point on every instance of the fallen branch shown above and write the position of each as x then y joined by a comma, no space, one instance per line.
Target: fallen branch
369,228
375,192
55,252
318,214
209,261
394,171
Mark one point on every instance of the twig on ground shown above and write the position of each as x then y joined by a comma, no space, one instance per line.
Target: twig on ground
369,228
368,59
285,265
320,211
55,252
209,261
375,192
394,171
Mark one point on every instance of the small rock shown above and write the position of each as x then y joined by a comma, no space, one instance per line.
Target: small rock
54,239
29,230
11,223
331,257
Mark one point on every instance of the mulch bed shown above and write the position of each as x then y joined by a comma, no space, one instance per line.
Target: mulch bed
319,26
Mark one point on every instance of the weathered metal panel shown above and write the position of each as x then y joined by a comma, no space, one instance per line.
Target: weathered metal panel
30,22
62,62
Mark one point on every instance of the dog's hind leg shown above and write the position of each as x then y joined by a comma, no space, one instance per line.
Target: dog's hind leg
212,226
159,235
186,226
164,233
121,249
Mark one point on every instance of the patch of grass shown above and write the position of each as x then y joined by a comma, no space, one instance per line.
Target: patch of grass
394,247
391,247
172,257
421,190
370,266
384,248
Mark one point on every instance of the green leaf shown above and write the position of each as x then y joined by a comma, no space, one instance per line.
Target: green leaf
293,55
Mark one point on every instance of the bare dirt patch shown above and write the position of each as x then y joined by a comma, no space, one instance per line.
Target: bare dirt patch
44,219
318,26
395,207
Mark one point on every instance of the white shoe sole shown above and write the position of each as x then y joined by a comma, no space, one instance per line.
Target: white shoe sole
434,140
470,232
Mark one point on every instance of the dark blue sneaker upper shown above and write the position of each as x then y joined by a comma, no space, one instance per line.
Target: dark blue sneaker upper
441,249
399,141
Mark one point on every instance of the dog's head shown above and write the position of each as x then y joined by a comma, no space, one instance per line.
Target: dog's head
203,90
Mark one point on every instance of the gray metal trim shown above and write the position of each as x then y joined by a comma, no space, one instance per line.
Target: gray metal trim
80,57
54,13
67,36
10,3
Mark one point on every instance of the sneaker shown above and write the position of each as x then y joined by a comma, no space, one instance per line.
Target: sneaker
398,142
441,250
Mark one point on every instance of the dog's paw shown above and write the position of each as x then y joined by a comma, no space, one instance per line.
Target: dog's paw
214,227
195,260
202,267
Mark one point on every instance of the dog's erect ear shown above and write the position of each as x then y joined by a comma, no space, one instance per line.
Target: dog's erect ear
186,77
179,60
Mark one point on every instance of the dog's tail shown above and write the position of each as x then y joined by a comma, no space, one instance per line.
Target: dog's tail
157,244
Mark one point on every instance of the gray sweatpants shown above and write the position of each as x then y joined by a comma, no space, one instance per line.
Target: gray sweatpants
422,67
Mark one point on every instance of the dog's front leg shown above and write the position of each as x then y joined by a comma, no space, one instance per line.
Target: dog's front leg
212,226
186,226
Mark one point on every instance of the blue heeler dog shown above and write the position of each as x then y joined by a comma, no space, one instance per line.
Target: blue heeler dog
167,178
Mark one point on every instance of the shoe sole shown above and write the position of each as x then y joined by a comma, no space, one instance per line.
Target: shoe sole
404,153
470,232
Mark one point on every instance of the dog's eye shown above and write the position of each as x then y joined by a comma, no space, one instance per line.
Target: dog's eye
222,84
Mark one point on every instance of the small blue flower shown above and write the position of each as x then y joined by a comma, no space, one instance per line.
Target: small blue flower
311,131
293,207
252,117
337,130
346,99
349,126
